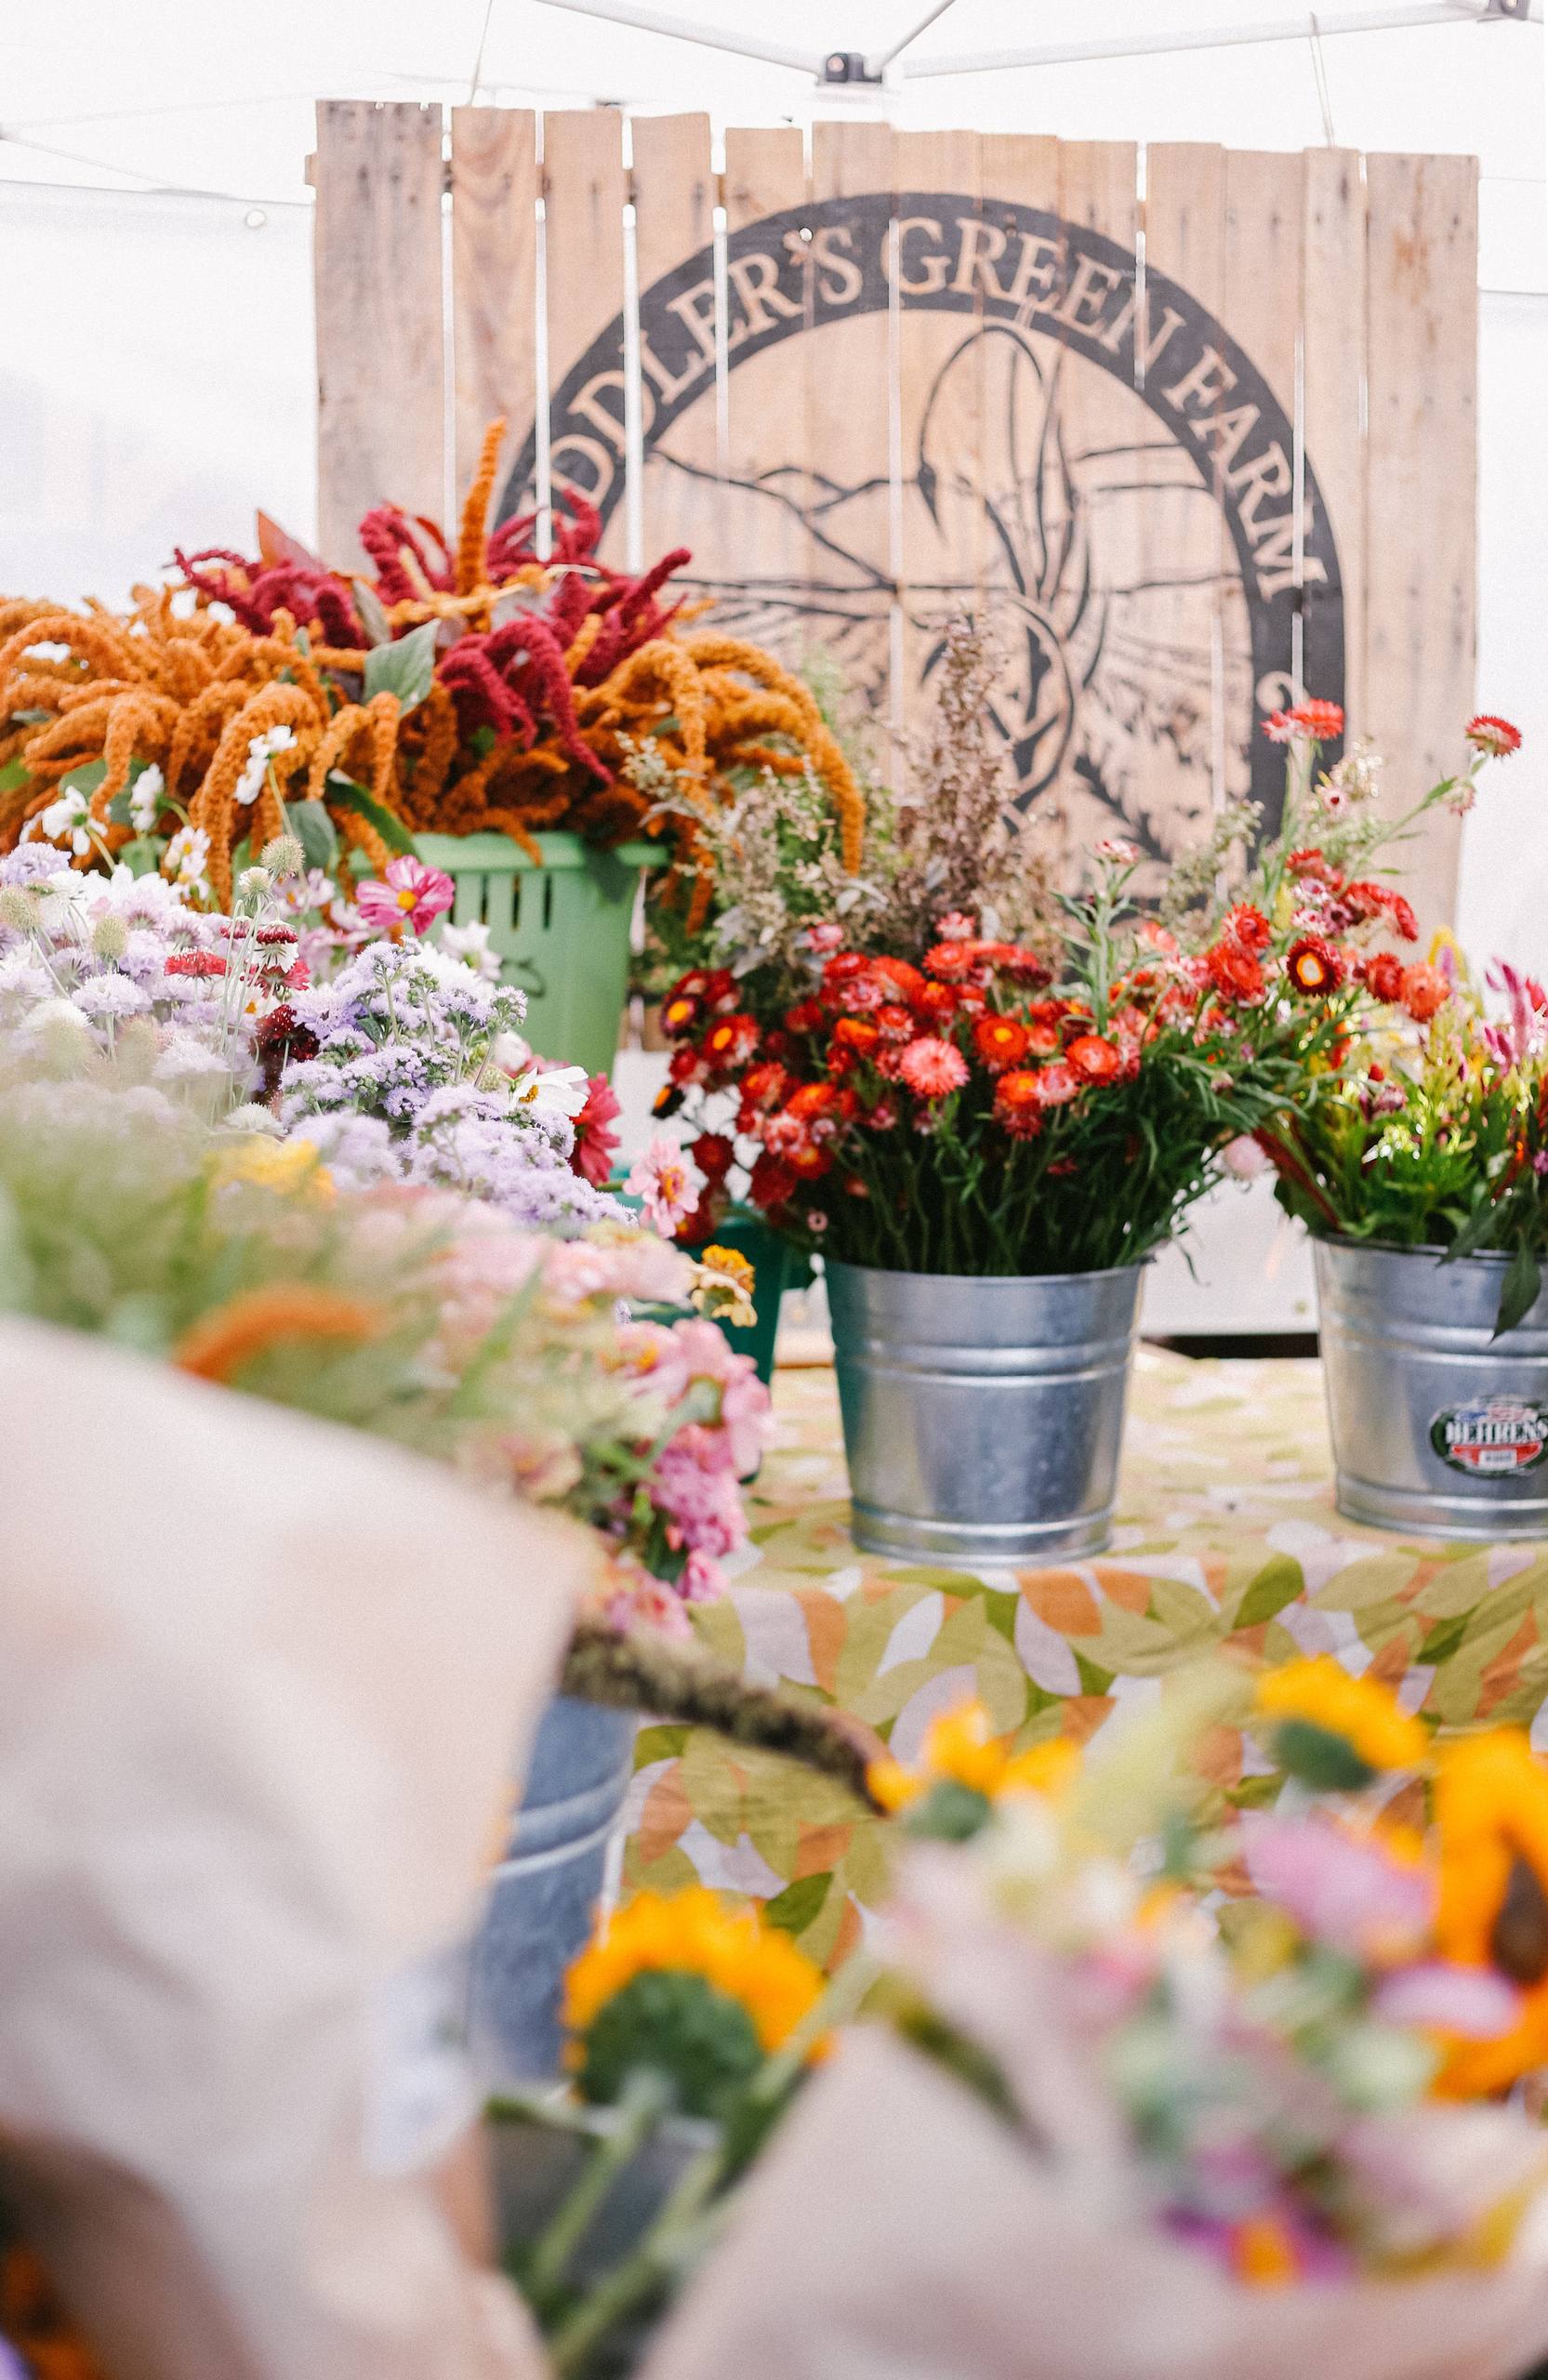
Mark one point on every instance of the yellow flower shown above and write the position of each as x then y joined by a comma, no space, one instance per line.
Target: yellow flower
1365,1714
1491,1812
961,1748
694,1932
273,1164
725,1285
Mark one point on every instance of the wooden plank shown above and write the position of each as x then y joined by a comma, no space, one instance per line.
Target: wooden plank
674,219
1196,639
494,277
943,542
1334,315
762,564
583,250
377,261
1421,491
849,400
1265,233
1082,730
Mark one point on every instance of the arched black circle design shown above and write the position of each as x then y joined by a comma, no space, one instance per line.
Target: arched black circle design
808,266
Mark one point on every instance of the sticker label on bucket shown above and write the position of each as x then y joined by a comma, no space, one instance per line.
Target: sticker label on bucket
1494,1436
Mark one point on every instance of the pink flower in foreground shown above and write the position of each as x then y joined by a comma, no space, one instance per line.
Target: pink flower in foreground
595,1146
667,1183
1348,1892
931,1068
410,894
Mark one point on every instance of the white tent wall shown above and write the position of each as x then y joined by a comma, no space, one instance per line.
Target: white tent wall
158,383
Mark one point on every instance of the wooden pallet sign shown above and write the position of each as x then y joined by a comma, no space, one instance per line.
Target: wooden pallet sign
1192,430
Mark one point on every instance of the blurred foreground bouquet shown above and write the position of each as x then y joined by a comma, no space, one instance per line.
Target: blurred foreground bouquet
1154,2095
402,1308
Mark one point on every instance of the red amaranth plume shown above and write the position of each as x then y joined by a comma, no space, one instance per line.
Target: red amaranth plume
510,547
383,533
569,604
219,587
545,658
306,591
633,620
483,698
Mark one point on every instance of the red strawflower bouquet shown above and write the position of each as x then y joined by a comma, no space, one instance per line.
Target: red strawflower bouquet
959,1100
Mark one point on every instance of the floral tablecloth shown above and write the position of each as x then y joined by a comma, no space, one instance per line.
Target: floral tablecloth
1227,1534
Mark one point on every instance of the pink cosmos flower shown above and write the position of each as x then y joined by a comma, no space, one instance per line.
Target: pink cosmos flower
933,1067
1342,1890
412,894
667,1181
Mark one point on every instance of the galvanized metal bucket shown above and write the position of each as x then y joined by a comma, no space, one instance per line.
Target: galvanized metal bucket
1438,1427
982,1413
543,1897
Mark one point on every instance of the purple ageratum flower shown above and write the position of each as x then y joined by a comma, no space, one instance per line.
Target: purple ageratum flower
1346,1891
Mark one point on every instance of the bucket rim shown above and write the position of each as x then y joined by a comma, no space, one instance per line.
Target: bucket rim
1344,1242
985,1280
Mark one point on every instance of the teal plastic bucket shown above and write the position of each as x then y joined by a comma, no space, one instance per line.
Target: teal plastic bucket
561,927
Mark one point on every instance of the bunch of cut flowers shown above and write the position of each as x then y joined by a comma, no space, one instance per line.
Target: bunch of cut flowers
402,1307
1434,1134
472,682
1046,1086
404,1058
1170,2088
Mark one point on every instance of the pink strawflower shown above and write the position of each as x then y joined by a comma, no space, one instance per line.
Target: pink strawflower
410,894
932,1068
826,937
956,926
667,1183
595,1146
1056,1084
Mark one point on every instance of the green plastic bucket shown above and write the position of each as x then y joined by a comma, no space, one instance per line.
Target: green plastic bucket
562,930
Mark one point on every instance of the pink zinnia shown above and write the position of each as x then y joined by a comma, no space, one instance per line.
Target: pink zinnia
412,894
931,1068
595,1146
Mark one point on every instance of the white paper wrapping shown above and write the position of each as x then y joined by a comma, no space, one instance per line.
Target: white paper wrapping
262,1683
896,2230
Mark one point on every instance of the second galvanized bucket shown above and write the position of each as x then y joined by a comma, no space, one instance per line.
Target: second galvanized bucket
1438,1426
982,1413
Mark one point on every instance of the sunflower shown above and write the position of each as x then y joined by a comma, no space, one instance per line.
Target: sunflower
1491,1812
963,1768
1337,1731
680,1984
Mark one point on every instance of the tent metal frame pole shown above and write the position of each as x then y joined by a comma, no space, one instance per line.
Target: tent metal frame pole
1363,21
